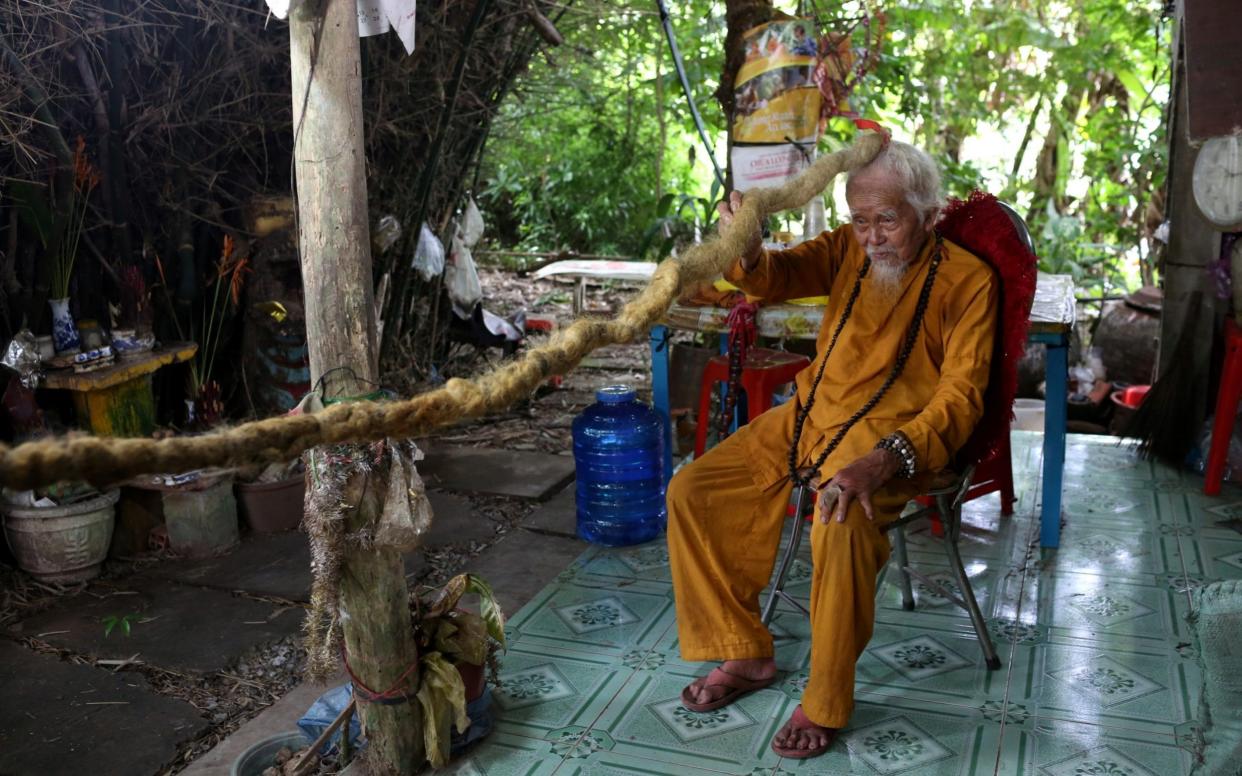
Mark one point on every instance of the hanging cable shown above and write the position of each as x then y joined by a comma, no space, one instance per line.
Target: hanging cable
685,87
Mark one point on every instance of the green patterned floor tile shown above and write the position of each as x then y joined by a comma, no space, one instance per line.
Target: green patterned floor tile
648,720
917,739
1046,747
610,619
545,689
1216,556
930,659
1110,548
1105,684
503,754
607,763
648,562
1102,456
1096,605
986,578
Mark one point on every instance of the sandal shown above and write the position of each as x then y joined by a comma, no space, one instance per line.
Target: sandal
804,754
736,686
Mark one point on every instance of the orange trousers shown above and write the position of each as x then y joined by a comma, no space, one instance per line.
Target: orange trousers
724,527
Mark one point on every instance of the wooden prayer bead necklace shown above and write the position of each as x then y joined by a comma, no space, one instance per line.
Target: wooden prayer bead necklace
906,348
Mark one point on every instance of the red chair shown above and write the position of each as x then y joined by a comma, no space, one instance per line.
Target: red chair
1226,409
765,370
994,473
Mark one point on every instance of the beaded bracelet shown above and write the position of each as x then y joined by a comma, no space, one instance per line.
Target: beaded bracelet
899,445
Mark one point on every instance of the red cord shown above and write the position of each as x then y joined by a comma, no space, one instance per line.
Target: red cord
367,695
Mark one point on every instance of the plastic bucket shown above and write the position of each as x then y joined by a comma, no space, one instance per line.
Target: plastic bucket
63,544
1028,414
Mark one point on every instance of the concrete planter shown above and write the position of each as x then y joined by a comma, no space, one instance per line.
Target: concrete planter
63,544
201,518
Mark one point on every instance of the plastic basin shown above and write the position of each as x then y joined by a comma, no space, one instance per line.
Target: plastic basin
262,755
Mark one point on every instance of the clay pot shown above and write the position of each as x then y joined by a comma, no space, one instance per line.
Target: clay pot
272,507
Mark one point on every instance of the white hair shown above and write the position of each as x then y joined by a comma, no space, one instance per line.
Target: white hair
915,171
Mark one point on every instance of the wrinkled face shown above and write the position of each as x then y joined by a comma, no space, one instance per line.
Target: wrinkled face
885,223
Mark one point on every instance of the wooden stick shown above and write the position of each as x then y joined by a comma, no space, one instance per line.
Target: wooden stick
312,754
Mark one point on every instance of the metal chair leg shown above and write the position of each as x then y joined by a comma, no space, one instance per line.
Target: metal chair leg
787,559
903,566
952,513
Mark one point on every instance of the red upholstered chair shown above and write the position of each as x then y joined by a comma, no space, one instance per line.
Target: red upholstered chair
764,371
992,231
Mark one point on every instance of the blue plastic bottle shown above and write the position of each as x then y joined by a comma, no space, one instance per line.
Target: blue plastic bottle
619,453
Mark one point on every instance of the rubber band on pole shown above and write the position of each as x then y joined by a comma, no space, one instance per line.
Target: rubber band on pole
392,696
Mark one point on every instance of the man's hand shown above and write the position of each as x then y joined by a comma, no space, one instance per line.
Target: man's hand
754,243
857,481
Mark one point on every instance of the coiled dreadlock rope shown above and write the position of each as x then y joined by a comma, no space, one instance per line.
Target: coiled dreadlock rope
104,460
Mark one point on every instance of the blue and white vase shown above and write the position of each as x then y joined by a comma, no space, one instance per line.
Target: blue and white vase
64,331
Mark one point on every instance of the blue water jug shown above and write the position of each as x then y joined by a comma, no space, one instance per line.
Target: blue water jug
619,453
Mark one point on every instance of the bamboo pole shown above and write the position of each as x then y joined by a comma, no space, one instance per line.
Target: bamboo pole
334,242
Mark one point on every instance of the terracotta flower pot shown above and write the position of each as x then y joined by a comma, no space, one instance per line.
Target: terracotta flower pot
271,507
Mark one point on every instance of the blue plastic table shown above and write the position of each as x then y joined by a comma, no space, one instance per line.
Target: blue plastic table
1052,319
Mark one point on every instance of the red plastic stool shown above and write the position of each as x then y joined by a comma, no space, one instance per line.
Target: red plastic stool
1226,409
994,473
764,371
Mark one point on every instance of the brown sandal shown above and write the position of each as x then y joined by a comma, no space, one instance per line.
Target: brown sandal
804,754
737,686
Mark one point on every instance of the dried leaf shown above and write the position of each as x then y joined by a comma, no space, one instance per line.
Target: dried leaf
445,600
470,641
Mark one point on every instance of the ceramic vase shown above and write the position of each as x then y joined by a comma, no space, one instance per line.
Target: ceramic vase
64,332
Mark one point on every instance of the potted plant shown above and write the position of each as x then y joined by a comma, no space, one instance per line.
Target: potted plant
204,403
271,499
457,654
60,534
85,179
456,647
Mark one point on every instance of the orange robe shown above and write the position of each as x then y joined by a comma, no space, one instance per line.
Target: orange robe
726,509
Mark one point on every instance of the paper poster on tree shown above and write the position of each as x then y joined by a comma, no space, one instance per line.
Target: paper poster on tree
775,96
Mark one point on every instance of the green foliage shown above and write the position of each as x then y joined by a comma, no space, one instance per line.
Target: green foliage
1076,86
111,622
572,160
1039,101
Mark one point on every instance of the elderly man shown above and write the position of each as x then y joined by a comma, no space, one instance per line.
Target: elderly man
895,390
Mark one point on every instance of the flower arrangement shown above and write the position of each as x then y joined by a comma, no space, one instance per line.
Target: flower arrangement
85,179
229,279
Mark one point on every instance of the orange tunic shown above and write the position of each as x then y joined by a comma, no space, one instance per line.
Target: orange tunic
726,510
939,397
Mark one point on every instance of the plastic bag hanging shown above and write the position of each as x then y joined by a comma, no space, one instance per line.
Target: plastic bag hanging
429,254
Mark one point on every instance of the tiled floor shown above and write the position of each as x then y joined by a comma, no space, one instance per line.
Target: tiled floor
1098,677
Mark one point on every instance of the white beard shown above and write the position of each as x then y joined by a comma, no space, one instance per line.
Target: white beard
885,278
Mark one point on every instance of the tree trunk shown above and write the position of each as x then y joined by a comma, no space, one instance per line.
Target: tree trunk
334,240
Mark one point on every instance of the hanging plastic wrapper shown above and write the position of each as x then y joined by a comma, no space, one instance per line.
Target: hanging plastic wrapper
429,255
464,288
407,510
22,356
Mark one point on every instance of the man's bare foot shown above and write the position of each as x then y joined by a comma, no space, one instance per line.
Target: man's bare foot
710,688
800,737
